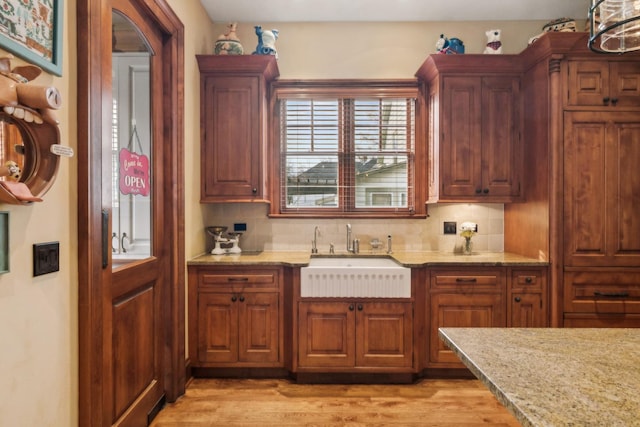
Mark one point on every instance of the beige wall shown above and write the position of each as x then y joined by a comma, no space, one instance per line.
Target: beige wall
38,316
373,50
199,39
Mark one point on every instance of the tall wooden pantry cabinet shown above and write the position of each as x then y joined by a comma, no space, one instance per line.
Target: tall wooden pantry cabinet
582,143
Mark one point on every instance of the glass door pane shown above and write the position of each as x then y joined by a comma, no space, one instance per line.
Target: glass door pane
131,149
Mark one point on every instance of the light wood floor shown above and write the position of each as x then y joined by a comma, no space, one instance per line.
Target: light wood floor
266,403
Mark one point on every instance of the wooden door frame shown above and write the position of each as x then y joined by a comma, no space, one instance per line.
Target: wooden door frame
94,67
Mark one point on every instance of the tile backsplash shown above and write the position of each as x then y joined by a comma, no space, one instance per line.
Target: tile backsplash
412,235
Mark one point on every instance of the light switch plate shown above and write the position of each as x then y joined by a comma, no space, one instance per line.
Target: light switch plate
450,227
46,258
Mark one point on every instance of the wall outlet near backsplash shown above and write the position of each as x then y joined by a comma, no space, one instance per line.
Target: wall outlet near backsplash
450,227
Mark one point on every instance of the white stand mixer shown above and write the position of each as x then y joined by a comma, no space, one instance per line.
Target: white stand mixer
233,240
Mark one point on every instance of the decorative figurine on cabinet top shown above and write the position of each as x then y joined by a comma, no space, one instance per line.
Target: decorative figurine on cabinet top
449,46
494,45
229,43
266,42
567,25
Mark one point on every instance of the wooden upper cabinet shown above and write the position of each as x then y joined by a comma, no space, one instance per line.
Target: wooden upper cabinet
613,84
460,143
474,129
233,126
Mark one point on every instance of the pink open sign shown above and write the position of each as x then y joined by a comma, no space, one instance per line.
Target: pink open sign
134,173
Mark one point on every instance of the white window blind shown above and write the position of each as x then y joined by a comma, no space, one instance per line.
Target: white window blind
347,154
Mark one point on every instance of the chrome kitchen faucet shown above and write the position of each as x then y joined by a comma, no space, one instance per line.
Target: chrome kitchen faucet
314,242
353,245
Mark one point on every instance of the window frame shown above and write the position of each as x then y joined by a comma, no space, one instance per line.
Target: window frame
331,89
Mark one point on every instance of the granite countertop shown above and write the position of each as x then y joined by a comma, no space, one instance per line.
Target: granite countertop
557,376
407,259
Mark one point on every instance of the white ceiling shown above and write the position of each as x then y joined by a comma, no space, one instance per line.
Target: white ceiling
253,11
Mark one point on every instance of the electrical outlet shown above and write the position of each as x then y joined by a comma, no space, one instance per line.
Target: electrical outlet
46,258
450,227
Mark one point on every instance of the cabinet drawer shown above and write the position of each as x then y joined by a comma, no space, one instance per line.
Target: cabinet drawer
461,280
524,281
237,279
615,291
601,320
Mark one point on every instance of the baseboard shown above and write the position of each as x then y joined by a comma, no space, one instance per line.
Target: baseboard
240,372
353,378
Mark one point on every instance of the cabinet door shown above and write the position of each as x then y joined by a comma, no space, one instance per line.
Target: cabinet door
384,334
458,310
527,298
460,145
501,150
326,334
601,187
217,328
607,84
258,327
480,150
527,311
625,83
588,83
231,151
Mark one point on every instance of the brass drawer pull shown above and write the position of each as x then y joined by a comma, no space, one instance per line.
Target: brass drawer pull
237,279
469,280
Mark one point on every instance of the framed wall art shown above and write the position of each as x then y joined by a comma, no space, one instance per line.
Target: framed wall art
32,30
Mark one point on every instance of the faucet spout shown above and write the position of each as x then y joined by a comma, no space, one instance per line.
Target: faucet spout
314,242
349,241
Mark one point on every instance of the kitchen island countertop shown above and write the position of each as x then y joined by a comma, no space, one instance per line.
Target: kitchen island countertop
557,376
407,259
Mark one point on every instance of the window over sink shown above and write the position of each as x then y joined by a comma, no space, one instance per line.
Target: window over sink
347,150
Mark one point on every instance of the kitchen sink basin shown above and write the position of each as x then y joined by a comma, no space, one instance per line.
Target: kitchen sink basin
353,276
352,261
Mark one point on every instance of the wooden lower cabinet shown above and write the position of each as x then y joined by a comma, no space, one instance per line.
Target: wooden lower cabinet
355,334
241,329
461,310
463,297
248,317
236,317
527,298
